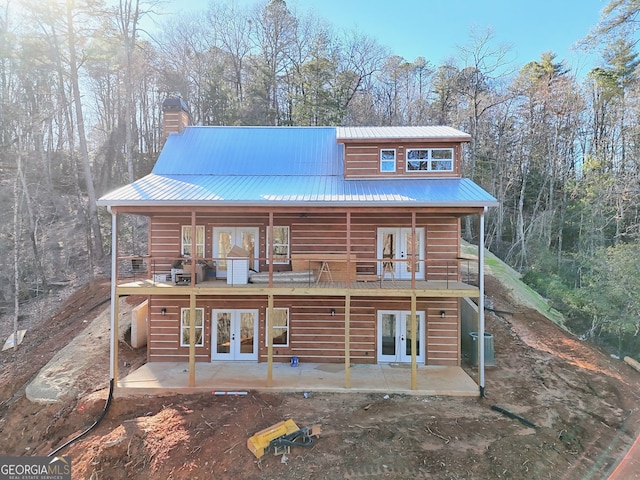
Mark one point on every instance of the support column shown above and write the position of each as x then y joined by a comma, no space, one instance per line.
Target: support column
269,333
414,255
268,324
414,328
192,338
347,341
347,310
481,304
270,248
113,340
194,236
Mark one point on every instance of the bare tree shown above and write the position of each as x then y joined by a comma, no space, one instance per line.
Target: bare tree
92,212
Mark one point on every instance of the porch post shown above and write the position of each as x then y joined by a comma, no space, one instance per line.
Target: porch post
348,277
481,304
270,249
413,251
414,362
113,341
269,334
269,330
192,338
193,248
347,310
347,341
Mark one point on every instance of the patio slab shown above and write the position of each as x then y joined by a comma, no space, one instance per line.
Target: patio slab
173,377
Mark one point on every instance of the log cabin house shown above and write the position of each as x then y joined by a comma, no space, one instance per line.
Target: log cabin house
309,244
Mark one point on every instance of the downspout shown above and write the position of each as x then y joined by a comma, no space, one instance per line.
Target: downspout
481,303
113,368
112,338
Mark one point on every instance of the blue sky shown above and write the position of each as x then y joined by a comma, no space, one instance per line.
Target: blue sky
434,28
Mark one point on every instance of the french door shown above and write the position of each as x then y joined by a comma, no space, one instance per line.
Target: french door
394,336
225,238
399,244
234,334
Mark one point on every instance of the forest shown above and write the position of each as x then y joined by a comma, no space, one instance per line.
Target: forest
82,84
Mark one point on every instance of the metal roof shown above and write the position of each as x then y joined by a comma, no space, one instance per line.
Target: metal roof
280,166
369,133
295,189
251,151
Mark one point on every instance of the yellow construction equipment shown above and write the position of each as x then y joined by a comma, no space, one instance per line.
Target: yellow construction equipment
280,437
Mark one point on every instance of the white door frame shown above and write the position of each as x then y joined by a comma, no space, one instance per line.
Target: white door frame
236,239
401,340
400,269
235,343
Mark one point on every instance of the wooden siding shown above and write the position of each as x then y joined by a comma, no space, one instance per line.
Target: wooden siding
443,333
443,248
363,160
174,121
314,334
315,234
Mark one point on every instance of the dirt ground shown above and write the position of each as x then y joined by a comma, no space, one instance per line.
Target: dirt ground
585,406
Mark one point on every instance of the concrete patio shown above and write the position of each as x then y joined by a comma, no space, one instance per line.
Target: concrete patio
173,377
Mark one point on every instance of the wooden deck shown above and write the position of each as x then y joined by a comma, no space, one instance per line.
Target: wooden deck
386,288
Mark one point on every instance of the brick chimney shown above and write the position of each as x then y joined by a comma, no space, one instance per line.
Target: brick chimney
175,116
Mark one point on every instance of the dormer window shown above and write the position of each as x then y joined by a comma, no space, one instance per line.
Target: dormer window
430,160
388,160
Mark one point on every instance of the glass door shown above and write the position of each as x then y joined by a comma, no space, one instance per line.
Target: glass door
235,335
225,238
400,253
407,335
394,336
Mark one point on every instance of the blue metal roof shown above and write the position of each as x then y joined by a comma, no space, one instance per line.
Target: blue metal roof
251,151
279,166
261,189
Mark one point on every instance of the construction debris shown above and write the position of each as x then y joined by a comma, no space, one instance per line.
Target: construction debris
280,437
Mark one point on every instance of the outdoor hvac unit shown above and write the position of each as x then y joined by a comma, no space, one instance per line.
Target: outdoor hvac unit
488,349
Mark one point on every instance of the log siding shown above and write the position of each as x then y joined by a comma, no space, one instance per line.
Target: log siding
362,160
314,334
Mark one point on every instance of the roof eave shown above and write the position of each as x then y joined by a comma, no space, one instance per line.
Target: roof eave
379,140
337,203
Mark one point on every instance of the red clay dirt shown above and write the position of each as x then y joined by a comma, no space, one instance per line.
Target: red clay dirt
584,405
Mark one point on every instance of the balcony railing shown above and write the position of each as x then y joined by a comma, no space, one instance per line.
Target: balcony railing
319,270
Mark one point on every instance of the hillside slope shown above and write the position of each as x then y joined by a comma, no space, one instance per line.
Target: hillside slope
584,404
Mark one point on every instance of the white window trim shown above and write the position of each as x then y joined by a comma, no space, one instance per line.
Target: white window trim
199,311
395,157
199,228
288,245
429,160
276,328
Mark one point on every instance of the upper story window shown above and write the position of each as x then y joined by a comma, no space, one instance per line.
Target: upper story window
186,241
387,160
280,244
430,160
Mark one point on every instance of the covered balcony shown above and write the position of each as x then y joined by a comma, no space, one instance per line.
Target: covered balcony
304,274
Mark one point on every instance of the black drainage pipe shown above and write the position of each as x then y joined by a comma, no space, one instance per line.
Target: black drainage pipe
98,420
524,421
